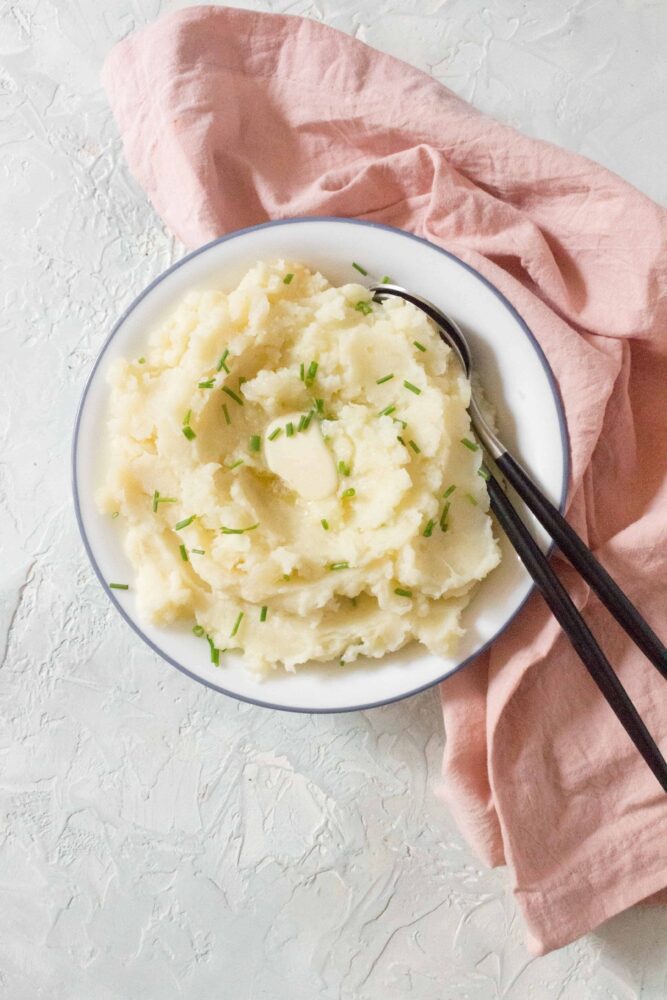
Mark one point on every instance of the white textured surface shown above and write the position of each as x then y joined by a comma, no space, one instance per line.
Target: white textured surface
157,840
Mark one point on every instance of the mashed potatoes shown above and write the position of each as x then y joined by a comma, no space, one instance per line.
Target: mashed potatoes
290,466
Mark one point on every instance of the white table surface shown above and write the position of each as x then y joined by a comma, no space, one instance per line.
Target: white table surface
157,839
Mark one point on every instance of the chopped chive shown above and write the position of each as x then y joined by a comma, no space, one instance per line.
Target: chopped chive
386,280
289,429
402,592
412,388
319,405
311,373
262,614
385,378
415,447
235,464
302,422
308,418
184,523
302,372
448,492
228,419
115,514
200,552
206,384
325,523
141,361
184,553
275,433
399,438
348,493
255,442
339,565
232,395
198,631
443,517
388,410
470,498
470,445
343,468
167,500
189,433
119,586
428,530
186,418
156,499
221,362
242,379
365,308
397,420
286,281
215,653
484,474
420,347
238,531
359,268
236,625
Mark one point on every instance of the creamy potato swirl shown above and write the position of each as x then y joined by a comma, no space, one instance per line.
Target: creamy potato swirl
363,528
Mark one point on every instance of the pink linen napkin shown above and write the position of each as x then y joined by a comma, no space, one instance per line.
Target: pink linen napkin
230,118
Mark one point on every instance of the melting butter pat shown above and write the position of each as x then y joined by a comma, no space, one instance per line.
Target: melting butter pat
302,460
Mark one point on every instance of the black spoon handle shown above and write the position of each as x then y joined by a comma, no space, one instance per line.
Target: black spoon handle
583,560
576,629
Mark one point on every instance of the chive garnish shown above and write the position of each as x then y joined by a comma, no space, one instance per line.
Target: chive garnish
470,445
255,443
235,464
228,419
200,552
307,419
397,420
236,624
157,500
415,447
302,372
275,433
402,592
385,378
221,362
242,379
348,493
142,361
319,405
302,422
115,514
119,586
198,631
420,347
311,373
325,523
289,429
262,614
399,438
339,565
215,653
412,388
388,410
184,553
365,308
359,268
156,497
484,474
186,418
286,281
448,492
238,531
470,498
443,517
232,395
184,523
343,468
189,433
386,280
428,530
206,384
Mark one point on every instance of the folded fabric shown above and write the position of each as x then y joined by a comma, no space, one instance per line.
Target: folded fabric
230,118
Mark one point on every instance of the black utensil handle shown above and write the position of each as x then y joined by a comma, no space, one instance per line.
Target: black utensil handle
583,560
576,629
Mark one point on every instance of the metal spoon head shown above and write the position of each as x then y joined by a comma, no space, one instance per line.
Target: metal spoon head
447,328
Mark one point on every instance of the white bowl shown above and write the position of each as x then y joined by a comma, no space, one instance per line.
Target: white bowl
517,380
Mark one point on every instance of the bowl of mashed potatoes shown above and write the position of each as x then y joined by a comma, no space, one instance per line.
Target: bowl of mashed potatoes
275,475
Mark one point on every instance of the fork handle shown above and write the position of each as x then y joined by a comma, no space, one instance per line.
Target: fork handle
576,629
583,560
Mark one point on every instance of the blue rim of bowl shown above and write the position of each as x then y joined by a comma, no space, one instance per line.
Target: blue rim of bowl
564,436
